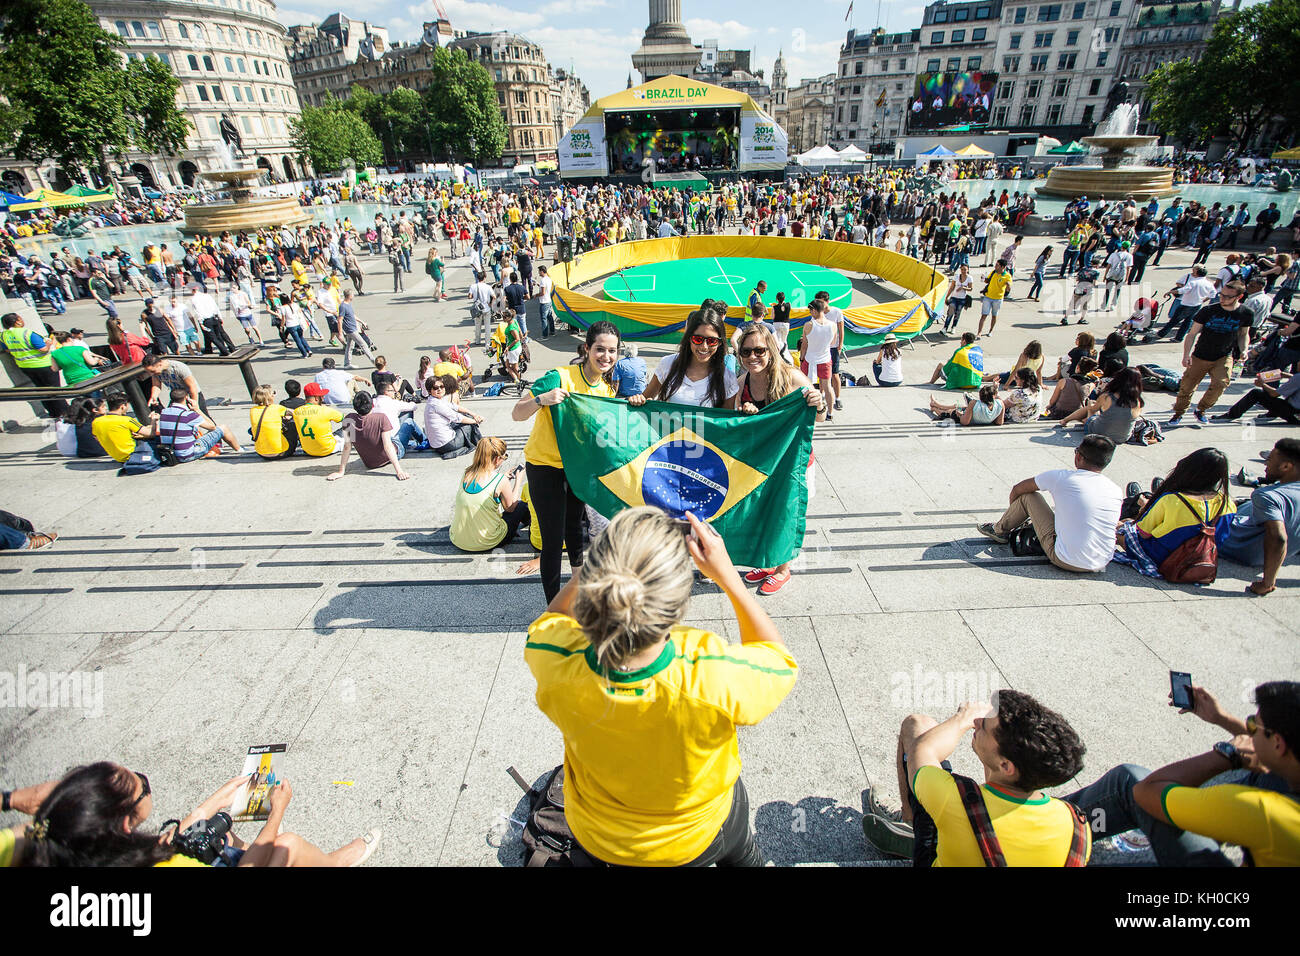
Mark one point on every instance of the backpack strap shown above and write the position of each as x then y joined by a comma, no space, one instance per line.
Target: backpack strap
262,418
972,801
1079,839
1201,521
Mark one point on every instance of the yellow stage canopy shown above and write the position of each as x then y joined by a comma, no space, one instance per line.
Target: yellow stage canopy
671,91
973,152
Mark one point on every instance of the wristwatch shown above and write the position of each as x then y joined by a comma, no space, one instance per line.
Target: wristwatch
6,803
1229,753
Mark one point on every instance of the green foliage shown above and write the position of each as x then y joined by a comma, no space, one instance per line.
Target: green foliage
329,135
1237,85
399,118
462,107
69,95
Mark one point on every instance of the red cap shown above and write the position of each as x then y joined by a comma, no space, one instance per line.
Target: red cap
314,390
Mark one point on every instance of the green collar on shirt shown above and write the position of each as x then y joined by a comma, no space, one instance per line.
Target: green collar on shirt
665,658
1025,801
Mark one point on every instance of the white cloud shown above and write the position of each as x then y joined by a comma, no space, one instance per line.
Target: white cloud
725,33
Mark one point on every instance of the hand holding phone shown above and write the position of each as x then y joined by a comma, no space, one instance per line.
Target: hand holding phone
1180,690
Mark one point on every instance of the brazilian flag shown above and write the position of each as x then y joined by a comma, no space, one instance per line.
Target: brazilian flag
744,474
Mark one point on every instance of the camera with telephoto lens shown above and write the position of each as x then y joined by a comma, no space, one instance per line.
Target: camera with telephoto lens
204,840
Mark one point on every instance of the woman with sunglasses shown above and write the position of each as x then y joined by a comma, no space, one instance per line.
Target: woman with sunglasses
559,512
697,373
767,379
93,816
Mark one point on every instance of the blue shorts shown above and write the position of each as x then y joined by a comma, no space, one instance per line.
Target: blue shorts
203,444
190,336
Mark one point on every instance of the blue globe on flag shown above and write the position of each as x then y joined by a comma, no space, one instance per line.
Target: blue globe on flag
683,476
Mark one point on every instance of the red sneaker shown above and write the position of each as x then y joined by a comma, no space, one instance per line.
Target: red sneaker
774,583
757,575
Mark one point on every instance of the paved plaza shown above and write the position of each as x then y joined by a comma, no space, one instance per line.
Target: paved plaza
233,601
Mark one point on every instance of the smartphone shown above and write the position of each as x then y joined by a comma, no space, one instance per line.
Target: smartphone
1180,684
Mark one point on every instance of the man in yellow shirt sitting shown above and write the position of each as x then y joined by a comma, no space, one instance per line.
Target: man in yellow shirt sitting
117,431
1024,748
1244,791
314,422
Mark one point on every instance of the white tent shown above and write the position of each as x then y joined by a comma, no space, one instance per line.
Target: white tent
820,156
851,154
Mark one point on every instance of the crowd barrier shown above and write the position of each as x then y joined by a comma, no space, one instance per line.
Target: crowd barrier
864,327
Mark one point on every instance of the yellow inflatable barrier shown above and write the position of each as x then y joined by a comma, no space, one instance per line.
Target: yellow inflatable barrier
863,327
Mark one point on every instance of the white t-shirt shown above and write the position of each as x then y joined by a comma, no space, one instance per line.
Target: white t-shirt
694,393
1117,264
891,370
961,288
1087,509
818,339
337,382
1196,290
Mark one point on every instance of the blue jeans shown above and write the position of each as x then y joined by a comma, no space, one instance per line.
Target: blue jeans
11,539
407,431
202,445
1180,317
547,318
1110,808
1037,286
1067,262
295,333
54,296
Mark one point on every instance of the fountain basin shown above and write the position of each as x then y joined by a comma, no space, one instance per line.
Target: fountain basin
245,211
1115,182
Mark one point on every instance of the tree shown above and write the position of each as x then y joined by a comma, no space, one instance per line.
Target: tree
463,108
70,96
1238,84
399,118
329,135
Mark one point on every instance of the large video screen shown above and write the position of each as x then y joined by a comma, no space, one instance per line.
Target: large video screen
951,99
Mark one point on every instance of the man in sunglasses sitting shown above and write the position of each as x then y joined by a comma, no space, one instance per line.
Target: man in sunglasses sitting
1244,790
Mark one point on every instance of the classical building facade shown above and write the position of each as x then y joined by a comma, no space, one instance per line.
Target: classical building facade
569,100
522,78
1057,63
231,61
1162,32
321,55
811,113
876,75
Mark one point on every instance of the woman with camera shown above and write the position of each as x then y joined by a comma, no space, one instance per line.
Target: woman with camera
488,510
649,707
93,816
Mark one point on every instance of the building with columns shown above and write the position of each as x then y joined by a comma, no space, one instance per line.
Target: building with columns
810,116
876,76
666,47
231,61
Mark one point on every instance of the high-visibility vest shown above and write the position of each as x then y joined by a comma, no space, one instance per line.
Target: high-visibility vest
19,344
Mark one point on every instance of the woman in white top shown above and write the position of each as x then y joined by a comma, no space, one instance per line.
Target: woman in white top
449,431
815,349
888,365
959,292
293,323
697,373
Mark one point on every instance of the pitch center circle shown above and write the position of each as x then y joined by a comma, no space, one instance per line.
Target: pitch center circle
725,279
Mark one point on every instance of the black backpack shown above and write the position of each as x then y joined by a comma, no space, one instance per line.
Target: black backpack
548,841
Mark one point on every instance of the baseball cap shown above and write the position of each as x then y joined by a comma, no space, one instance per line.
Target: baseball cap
1125,245
315,390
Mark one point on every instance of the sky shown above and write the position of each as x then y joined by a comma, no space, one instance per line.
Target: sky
596,38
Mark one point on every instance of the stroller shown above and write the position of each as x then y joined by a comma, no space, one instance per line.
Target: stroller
496,350
1146,312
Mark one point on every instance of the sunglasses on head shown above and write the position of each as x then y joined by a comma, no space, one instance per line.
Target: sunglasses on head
144,782
712,340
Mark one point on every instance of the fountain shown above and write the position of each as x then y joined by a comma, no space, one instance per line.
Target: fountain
1121,172
246,210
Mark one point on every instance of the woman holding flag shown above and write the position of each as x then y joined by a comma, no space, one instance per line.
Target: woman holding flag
697,374
767,379
559,512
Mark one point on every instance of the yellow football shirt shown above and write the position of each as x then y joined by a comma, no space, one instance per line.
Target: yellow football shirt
313,424
7,840
117,434
651,756
1265,822
449,368
1032,832
999,285
266,423
541,448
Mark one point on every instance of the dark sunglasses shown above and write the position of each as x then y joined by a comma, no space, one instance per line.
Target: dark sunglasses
144,782
710,340
1253,724
758,350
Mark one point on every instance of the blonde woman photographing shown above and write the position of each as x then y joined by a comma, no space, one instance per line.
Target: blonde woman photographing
652,773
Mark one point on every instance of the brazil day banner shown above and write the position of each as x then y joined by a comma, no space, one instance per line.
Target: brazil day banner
744,474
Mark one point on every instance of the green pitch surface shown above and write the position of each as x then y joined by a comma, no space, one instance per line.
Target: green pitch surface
691,281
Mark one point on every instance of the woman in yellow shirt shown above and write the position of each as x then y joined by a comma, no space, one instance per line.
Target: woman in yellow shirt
93,817
559,512
649,707
271,425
